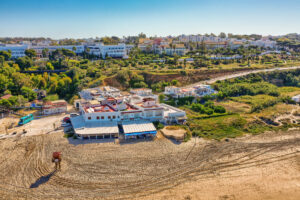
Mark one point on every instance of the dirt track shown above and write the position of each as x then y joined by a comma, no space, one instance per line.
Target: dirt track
156,169
239,74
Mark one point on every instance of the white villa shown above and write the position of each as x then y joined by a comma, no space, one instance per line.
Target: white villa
203,90
196,91
99,92
142,93
296,98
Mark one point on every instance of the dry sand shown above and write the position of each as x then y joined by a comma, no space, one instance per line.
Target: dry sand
266,166
177,134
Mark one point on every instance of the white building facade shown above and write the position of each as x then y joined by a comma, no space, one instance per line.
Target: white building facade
16,50
120,50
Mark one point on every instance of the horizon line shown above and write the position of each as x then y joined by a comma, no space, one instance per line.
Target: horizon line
147,36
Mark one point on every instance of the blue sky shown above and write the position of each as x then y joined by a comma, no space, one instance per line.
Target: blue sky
91,18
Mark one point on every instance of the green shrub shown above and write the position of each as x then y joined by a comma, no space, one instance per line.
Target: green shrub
158,125
219,109
208,111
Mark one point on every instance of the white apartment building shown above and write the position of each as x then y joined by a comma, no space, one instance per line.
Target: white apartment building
19,50
179,49
16,50
200,38
115,51
78,49
264,43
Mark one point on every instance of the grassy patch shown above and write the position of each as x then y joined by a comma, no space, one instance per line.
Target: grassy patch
272,111
258,102
234,106
257,127
252,100
289,91
228,126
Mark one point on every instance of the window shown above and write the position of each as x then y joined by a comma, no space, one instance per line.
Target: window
98,117
114,117
89,118
109,117
102,117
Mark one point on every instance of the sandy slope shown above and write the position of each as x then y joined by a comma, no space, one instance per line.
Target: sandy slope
266,166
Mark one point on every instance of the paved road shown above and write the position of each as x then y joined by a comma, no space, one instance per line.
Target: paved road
239,75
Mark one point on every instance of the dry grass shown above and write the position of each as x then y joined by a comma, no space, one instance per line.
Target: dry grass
273,111
234,107
289,91
173,128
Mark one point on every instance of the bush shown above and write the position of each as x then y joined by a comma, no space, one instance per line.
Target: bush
219,109
185,100
197,107
158,125
233,88
208,111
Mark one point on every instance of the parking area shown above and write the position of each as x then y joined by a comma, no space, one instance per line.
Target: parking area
38,126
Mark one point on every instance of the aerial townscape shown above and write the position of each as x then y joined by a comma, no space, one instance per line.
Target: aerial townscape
149,100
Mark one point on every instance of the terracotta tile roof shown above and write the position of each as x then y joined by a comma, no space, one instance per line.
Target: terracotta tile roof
6,96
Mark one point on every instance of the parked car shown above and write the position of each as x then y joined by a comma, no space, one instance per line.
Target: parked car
66,119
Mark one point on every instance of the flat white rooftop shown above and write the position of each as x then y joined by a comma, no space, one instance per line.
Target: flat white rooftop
138,126
170,110
93,128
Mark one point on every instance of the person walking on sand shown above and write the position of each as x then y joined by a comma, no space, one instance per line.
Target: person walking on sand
56,158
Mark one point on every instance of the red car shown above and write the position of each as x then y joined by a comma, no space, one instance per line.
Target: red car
67,119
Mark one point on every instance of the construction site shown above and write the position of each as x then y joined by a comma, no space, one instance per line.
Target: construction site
265,166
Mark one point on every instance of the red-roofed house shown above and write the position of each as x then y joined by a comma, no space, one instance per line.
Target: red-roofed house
7,96
54,107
